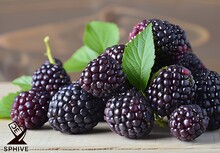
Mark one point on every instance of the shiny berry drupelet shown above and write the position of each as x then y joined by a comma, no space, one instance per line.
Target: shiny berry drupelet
208,95
73,111
116,52
49,77
129,115
30,108
102,76
170,41
188,122
172,87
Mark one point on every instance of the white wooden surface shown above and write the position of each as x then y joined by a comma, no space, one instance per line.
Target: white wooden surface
101,139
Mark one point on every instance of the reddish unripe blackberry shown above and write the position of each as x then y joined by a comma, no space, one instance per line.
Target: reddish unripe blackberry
129,115
51,75
30,108
170,41
191,62
188,122
172,87
208,95
116,52
102,76
73,111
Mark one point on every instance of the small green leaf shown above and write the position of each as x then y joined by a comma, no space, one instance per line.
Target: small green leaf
24,82
160,121
100,35
6,104
78,61
138,58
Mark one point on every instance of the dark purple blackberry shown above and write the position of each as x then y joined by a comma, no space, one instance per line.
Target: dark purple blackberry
129,115
191,62
49,77
170,41
188,122
116,52
126,86
172,87
30,108
73,111
208,95
102,76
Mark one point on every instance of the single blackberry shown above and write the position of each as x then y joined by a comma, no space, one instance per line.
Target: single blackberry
170,41
30,108
51,75
102,76
126,86
116,52
191,62
208,95
73,111
129,115
188,122
172,87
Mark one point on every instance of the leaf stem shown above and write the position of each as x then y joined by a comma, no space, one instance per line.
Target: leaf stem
143,93
48,50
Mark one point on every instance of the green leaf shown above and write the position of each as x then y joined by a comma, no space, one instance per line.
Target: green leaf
100,35
78,61
138,58
6,104
24,82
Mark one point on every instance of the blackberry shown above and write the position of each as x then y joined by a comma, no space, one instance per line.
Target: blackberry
102,76
191,61
208,95
129,115
170,41
172,87
116,52
51,75
30,108
73,111
188,122
126,86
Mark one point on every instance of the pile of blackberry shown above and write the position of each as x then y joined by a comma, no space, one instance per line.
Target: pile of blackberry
181,89
30,108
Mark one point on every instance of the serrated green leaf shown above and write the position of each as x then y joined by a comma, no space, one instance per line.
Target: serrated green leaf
79,60
24,82
6,104
100,35
138,58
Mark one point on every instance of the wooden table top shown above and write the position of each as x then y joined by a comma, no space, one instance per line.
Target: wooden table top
101,139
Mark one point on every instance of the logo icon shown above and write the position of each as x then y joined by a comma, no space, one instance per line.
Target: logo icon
19,132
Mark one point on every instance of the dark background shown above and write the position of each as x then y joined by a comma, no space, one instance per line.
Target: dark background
24,24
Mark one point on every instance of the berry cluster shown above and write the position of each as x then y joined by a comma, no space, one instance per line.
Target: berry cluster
181,89
30,108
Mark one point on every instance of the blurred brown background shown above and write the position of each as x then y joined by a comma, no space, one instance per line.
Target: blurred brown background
24,24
